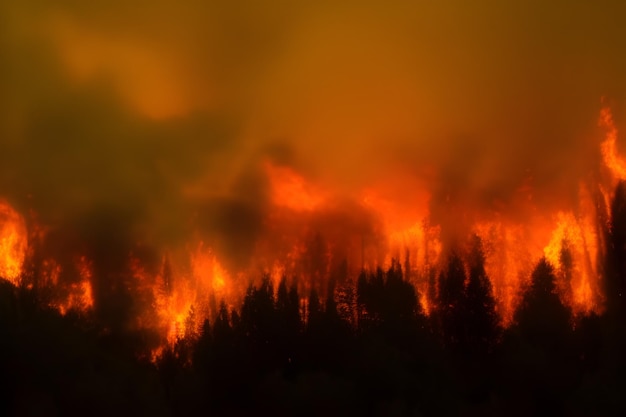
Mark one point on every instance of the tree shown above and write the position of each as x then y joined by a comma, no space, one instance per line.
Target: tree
317,261
347,303
362,298
452,302
482,322
538,350
260,327
221,328
288,320
314,309
400,302
288,306
542,318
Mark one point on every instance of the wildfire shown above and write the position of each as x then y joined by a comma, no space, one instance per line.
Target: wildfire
307,236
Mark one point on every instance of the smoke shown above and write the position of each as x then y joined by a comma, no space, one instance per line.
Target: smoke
150,123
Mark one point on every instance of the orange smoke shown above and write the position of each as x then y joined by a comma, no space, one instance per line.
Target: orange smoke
75,296
612,160
292,191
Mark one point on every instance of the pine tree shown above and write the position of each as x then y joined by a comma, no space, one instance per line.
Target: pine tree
482,328
452,303
347,303
542,318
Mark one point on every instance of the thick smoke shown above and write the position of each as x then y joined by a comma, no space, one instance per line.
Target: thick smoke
128,126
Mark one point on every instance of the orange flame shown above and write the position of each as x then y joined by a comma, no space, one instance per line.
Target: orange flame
573,251
510,255
13,243
182,299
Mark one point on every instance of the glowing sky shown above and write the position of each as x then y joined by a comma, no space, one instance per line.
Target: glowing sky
153,117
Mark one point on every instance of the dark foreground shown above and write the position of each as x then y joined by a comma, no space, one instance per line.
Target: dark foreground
369,350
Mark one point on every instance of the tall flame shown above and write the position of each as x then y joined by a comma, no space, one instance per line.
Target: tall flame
13,243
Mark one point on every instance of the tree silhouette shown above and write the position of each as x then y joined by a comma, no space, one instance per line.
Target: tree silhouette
452,303
222,329
361,342
288,306
375,297
289,322
362,298
542,318
615,283
259,326
314,309
538,353
400,307
317,260
482,322
347,303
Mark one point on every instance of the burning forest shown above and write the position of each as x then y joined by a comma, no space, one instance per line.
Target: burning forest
324,209
318,238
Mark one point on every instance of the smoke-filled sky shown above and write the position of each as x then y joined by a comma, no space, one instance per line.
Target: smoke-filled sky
151,119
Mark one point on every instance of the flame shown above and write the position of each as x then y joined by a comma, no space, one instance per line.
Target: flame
409,234
75,296
612,161
79,299
13,243
573,251
510,255
209,272
182,298
608,148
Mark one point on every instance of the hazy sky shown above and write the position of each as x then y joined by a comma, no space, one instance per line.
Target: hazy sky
153,116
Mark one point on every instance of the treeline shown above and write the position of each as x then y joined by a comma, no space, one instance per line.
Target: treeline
367,348
371,350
